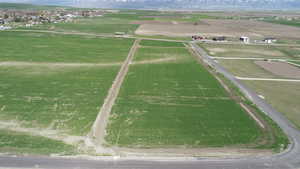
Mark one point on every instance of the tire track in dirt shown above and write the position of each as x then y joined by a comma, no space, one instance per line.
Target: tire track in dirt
98,131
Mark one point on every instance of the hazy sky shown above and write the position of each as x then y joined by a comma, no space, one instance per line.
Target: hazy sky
272,4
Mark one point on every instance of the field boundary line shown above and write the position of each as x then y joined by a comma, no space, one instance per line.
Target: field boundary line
253,116
98,130
295,64
267,79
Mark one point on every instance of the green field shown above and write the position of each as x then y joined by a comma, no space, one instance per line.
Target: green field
58,97
41,47
155,43
100,25
148,54
17,142
63,93
177,104
295,23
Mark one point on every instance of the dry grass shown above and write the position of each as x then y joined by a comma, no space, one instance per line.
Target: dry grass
246,68
283,96
212,27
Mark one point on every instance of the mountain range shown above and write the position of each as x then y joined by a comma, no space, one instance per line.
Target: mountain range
172,4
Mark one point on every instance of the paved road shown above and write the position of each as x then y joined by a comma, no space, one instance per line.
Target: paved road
286,160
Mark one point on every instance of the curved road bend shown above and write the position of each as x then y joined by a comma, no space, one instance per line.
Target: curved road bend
290,159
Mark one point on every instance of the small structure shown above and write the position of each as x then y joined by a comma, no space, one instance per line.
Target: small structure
2,21
4,28
197,37
245,39
120,33
221,38
270,40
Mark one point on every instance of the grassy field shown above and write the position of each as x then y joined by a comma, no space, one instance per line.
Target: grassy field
177,104
251,51
146,54
16,142
63,94
41,47
285,22
283,96
155,43
246,68
54,97
101,25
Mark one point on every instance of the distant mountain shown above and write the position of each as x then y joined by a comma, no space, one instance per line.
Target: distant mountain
23,6
200,4
174,4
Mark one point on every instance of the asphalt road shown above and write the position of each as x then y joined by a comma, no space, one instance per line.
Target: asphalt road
286,160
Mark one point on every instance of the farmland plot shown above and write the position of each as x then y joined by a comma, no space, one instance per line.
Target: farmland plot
176,104
52,87
41,47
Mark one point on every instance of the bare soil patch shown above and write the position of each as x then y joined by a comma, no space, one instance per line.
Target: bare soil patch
48,64
152,61
184,151
211,27
280,68
46,132
254,52
152,22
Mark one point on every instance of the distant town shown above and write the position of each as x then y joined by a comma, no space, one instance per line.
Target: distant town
26,18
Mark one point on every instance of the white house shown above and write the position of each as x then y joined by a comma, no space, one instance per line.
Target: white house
269,40
245,39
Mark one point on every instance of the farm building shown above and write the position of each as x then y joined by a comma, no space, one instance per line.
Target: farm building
270,40
222,38
245,39
197,37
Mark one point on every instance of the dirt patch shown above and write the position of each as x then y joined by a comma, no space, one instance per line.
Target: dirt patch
250,51
48,64
152,22
211,27
201,152
280,68
162,60
48,133
218,50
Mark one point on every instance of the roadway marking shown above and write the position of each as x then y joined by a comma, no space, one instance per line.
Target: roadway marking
247,58
267,79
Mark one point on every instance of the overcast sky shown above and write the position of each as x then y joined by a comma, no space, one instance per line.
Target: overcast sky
272,4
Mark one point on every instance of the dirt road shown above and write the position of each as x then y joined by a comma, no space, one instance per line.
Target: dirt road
98,131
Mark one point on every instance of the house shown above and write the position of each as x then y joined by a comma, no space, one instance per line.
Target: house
2,21
4,27
197,37
270,40
221,38
245,39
